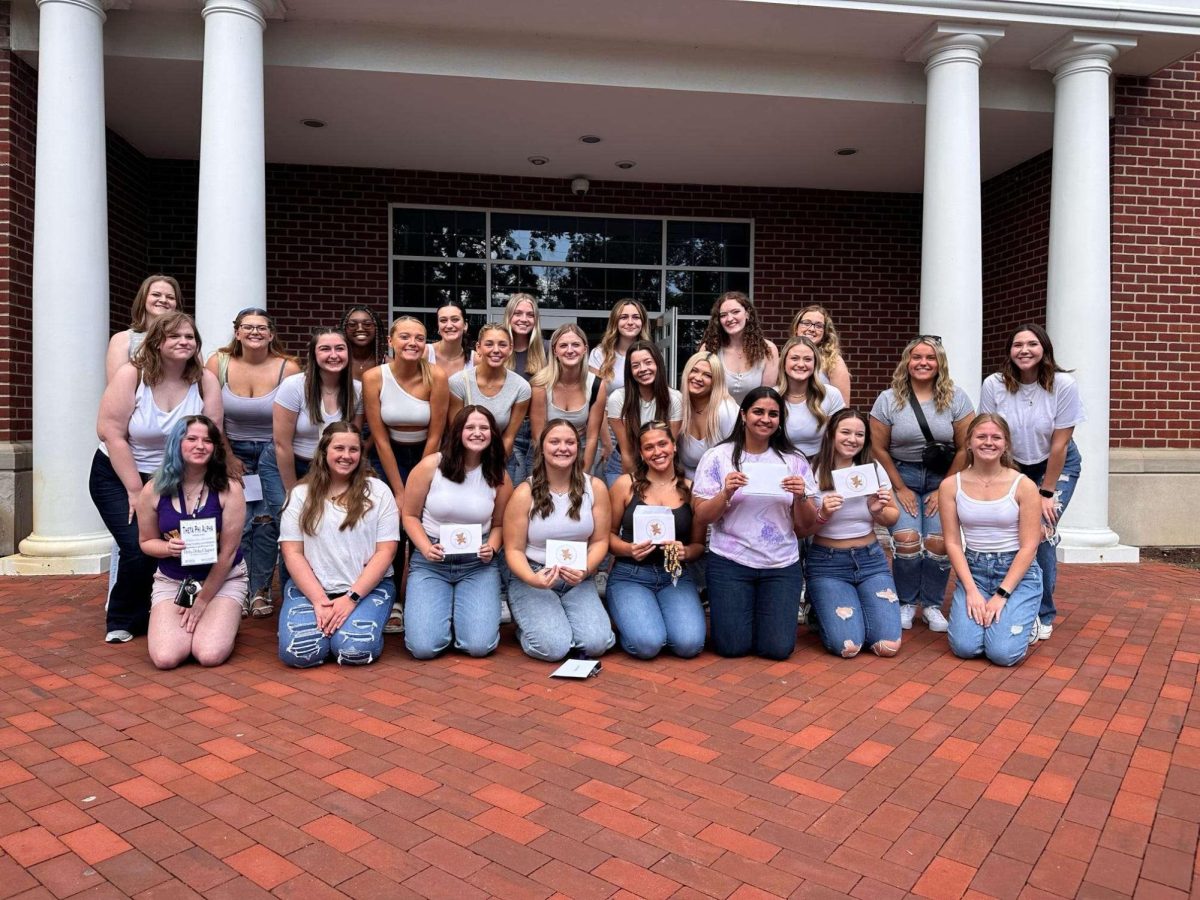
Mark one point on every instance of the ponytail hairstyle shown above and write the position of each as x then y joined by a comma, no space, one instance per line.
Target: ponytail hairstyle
355,500
779,442
535,356
423,364
641,471
169,475
1046,370
462,311
1006,458
631,412
347,403
485,329
541,503
823,464
814,390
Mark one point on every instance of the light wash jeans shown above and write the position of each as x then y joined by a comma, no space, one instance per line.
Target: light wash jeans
553,621
753,610
1005,641
921,578
458,598
357,643
853,597
260,539
520,462
273,493
1047,557
650,613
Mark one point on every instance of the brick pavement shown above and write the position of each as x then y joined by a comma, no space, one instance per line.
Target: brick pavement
1076,774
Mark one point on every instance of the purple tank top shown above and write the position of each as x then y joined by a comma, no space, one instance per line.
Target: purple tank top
168,520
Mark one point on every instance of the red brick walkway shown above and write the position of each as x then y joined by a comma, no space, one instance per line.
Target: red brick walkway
1077,773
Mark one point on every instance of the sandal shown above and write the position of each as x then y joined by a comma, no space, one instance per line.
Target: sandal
395,619
261,605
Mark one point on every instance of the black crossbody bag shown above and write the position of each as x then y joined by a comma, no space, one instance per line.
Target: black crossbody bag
938,456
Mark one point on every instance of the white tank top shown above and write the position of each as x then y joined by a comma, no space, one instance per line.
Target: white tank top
989,526
149,425
448,503
559,526
398,407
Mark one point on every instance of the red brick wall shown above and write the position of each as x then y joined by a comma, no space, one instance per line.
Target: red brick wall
128,210
327,243
18,110
1156,259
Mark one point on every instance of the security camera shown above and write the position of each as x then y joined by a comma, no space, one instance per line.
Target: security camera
579,186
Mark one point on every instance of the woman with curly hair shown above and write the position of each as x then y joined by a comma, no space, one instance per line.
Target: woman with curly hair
735,334
922,392
339,533
810,402
815,323
164,384
192,484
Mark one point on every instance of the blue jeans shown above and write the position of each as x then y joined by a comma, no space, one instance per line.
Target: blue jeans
357,643
129,600
260,535
520,462
853,597
753,610
650,613
612,468
921,574
1005,641
1047,558
553,621
458,597
273,493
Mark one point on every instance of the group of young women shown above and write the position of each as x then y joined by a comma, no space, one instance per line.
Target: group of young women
453,473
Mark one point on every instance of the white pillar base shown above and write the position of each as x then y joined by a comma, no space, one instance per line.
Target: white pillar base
85,554
1094,545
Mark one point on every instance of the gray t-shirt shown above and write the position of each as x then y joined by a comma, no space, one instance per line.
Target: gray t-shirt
908,443
515,390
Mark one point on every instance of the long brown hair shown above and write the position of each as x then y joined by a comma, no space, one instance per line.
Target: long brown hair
347,403
275,348
355,500
148,358
641,471
453,463
137,315
631,411
754,343
542,504
1046,369
608,343
1006,458
814,391
827,455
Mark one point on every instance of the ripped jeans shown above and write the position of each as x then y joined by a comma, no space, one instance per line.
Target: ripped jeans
854,599
922,572
357,643
1006,640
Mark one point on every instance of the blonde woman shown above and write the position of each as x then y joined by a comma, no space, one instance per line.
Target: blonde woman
565,389
734,332
916,467
810,403
815,323
529,355
709,413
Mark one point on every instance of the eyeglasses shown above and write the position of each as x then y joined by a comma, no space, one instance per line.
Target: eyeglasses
255,329
360,325
928,339
811,326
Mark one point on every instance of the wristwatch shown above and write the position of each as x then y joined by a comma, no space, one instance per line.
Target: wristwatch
1045,493
354,596
1002,593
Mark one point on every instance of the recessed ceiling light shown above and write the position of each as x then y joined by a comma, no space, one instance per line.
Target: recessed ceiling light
625,164
312,123
539,160
591,139
846,151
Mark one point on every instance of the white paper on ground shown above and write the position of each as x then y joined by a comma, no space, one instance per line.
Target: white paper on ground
766,479
199,538
252,488
856,481
654,524
571,554
457,539
577,668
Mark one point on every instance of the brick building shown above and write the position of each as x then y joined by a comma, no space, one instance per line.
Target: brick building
937,167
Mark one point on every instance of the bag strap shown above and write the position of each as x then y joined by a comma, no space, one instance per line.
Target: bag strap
594,380
222,368
920,415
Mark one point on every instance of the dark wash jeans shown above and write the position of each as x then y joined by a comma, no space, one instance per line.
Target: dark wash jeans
129,601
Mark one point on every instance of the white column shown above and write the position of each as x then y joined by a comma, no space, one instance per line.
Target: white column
70,291
231,245
1078,308
951,229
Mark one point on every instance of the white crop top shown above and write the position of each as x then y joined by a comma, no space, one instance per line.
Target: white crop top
989,526
559,526
852,519
398,407
448,503
149,425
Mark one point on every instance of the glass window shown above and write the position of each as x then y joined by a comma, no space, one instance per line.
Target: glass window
451,234
709,244
693,293
575,239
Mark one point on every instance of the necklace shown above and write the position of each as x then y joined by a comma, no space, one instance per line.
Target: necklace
986,482
187,497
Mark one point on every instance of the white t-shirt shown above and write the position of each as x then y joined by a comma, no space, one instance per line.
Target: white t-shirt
646,408
1033,413
339,557
596,358
754,531
802,427
291,396
852,519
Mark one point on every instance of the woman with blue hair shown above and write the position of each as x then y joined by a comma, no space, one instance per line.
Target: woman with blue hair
195,608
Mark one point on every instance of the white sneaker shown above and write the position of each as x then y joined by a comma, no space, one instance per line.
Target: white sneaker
118,636
505,612
908,612
1043,630
802,618
601,579
935,620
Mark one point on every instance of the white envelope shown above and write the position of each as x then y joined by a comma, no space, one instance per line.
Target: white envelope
199,538
456,539
856,481
252,488
577,668
569,554
654,524
766,479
